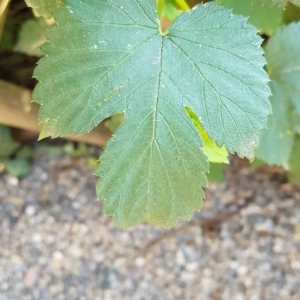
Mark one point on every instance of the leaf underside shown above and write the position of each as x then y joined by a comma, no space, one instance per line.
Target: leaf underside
282,54
108,57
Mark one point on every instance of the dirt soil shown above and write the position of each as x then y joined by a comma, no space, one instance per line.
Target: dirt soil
55,243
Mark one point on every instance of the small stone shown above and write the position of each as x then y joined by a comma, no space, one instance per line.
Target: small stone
139,262
57,255
266,226
180,259
31,276
36,238
13,181
192,267
75,251
30,210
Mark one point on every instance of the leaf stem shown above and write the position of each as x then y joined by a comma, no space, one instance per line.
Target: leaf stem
183,5
160,6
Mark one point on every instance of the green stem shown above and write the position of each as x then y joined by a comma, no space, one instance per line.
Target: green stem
183,5
160,6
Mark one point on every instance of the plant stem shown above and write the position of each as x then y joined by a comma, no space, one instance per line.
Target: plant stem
183,5
160,6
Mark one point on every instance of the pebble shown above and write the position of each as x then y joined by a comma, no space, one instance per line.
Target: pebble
31,276
30,210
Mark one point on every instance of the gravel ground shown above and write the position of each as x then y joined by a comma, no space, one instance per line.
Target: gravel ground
55,242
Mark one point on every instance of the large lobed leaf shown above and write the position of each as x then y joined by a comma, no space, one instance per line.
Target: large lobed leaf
282,54
106,57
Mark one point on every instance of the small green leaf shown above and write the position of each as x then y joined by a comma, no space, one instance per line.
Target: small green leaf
17,167
44,8
216,173
282,54
8,145
75,151
296,122
31,37
210,61
114,122
257,162
277,141
278,3
25,152
214,153
295,2
49,150
291,14
294,172
266,19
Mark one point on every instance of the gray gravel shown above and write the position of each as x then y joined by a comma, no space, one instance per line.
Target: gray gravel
55,242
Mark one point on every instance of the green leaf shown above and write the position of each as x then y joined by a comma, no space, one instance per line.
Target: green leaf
25,152
294,172
277,141
31,37
75,151
265,18
17,167
295,2
216,173
214,153
114,122
278,3
210,61
282,54
296,122
49,150
291,14
44,8
8,145
257,162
